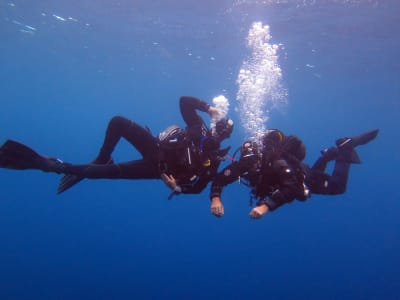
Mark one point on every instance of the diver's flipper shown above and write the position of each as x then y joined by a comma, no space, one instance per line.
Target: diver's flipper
354,158
67,181
346,146
17,156
352,142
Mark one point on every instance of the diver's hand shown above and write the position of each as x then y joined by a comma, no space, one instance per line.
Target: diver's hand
170,181
217,208
214,112
259,211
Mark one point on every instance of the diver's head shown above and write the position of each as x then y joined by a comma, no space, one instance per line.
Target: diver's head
223,129
295,146
273,137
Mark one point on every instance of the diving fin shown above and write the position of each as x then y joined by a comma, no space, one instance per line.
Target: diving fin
346,146
69,180
352,157
17,156
352,142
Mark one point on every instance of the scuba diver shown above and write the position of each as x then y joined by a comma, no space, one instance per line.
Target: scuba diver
185,159
274,171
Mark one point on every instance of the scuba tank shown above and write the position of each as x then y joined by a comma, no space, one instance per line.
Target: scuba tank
175,151
170,136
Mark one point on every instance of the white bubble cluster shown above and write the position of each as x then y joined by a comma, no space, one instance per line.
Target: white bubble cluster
222,104
259,82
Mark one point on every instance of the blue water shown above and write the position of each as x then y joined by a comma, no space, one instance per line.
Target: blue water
68,67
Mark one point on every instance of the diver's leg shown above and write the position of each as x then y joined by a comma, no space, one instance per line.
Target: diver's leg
344,155
135,134
339,178
346,145
347,155
137,169
118,127
320,182
327,156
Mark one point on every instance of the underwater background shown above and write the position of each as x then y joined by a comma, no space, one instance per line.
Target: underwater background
68,67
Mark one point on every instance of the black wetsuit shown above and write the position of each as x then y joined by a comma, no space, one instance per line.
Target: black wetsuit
192,174
319,182
281,179
274,181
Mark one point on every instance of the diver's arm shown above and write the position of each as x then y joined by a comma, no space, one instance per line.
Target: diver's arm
179,187
259,211
225,177
170,181
188,106
204,175
228,175
217,208
290,188
197,187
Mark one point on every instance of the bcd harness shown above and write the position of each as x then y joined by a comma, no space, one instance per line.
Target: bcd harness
182,157
262,165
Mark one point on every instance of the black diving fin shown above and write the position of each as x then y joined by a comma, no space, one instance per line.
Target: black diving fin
17,156
67,181
346,145
352,142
